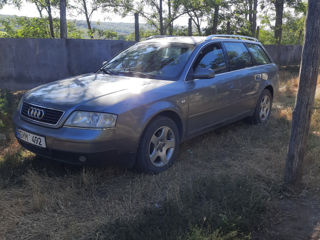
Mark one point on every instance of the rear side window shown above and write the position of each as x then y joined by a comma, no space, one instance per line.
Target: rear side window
238,55
211,57
258,53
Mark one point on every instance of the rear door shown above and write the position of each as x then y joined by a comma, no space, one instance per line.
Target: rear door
241,65
262,71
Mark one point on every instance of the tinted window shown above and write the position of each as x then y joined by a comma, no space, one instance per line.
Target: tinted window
258,53
238,55
211,58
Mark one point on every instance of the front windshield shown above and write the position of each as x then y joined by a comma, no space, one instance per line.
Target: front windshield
151,60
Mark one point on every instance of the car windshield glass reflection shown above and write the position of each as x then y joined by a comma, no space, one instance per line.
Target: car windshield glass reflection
152,60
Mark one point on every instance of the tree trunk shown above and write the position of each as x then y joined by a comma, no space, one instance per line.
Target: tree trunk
250,13
254,17
87,18
279,4
63,19
161,18
302,113
170,20
228,28
215,19
196,21
50,19
136,27
39,9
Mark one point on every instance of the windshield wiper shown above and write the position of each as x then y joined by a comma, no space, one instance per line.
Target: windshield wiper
138,74
107,71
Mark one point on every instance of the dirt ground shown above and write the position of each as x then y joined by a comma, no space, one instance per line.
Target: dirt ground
40,199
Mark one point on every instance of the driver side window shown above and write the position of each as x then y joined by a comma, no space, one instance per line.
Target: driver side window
211,57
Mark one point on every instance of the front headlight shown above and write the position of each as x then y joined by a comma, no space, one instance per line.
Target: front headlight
91,120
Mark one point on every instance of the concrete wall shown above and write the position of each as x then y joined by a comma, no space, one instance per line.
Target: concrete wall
26,63
285,55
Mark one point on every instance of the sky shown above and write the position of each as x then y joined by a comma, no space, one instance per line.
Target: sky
30,10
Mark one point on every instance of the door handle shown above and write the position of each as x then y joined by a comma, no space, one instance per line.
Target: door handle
261,76
258,76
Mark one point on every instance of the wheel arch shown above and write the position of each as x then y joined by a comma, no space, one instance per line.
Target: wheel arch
170,113
270,88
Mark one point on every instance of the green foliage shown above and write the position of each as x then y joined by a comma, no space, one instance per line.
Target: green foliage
4,35
266,36
7,106
16,3
143,34
73,30
29,27
105,34
180,31
233,18
4,102
293,28
25,27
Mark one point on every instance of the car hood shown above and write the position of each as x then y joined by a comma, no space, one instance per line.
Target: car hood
82,89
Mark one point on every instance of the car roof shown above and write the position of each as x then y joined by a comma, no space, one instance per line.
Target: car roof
196,40
176,39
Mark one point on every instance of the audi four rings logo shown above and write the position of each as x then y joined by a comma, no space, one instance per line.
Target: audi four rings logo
35,113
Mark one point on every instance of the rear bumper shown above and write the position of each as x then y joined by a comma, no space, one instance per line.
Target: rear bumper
77,146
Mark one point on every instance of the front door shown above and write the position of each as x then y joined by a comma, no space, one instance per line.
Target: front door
211,100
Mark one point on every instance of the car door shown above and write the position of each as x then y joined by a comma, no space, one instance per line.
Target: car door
261,72
241,65
210,100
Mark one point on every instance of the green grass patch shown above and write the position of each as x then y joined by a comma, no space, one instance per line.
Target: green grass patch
216,208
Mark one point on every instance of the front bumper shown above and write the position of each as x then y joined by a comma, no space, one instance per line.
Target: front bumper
76,145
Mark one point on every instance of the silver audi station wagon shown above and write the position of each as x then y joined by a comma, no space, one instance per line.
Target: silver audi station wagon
138,107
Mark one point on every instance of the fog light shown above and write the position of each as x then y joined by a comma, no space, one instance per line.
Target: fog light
82,159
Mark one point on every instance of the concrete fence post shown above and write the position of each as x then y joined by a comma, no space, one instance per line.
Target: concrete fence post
190,27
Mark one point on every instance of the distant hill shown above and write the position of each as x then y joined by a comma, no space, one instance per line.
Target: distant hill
121,28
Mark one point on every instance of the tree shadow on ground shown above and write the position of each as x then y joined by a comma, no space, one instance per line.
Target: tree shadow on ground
219,208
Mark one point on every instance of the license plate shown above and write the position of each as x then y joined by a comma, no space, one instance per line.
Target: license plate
31,138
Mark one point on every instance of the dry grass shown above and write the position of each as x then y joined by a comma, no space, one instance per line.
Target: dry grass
220,186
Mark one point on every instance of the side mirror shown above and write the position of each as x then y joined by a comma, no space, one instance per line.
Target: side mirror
203,73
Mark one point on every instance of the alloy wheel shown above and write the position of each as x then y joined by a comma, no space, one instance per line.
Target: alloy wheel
265,106
162,146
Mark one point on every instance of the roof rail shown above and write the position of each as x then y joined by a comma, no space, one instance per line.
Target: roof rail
231,36
158,36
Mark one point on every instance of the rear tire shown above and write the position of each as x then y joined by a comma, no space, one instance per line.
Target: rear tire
159,146
263,108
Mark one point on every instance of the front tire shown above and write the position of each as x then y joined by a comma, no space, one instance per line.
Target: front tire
159,146
263,108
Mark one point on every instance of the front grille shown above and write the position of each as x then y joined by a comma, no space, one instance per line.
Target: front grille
50,116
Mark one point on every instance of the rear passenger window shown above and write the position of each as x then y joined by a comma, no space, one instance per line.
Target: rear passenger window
238,55
258,53
211,58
